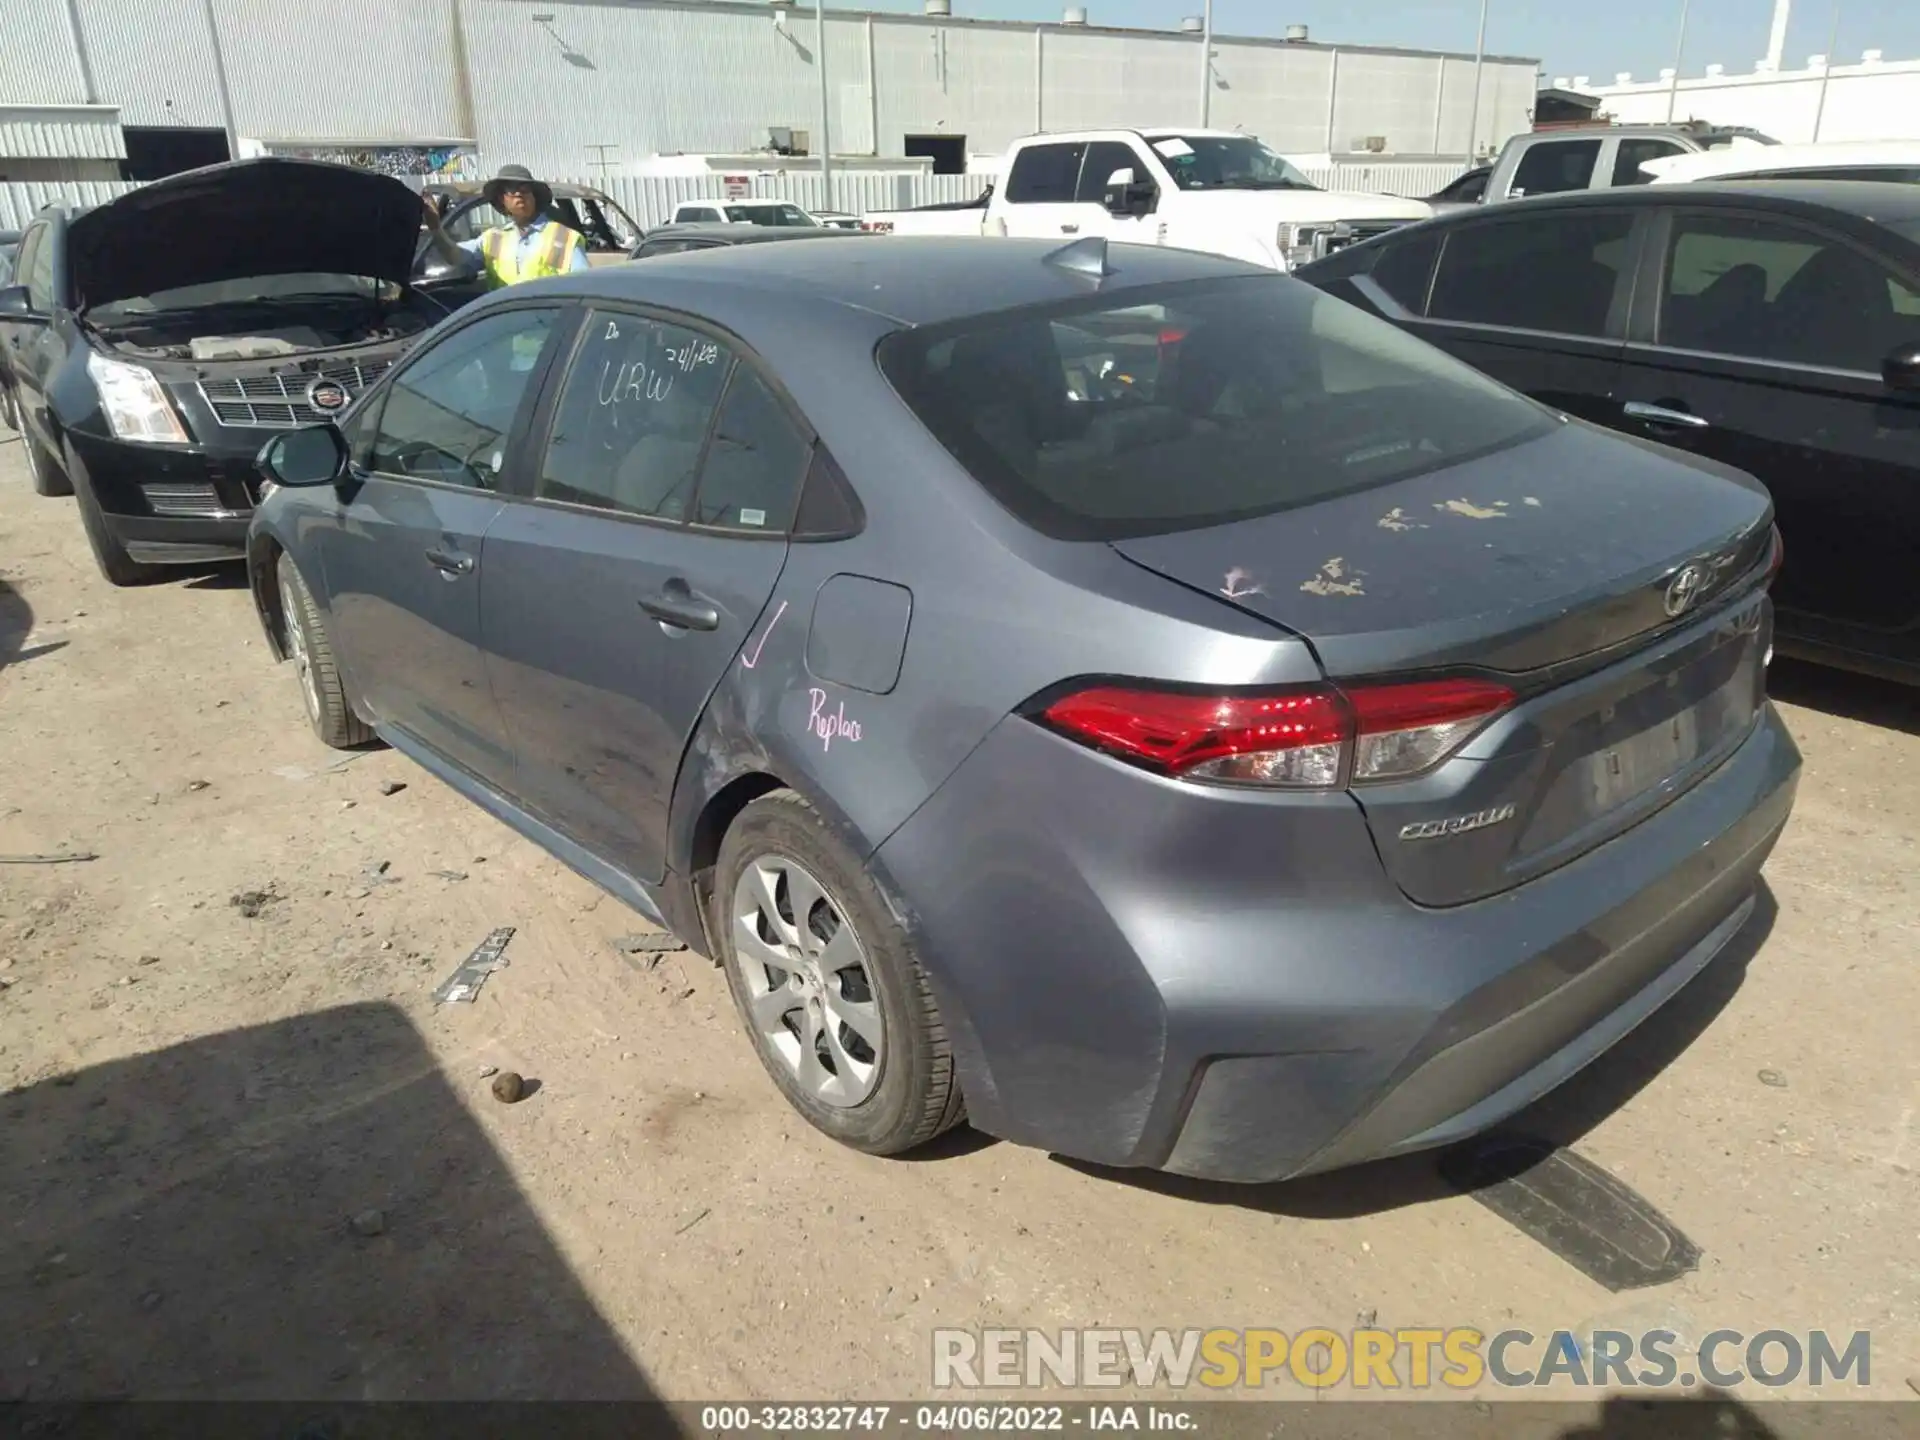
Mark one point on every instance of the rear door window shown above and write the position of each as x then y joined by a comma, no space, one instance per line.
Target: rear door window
1632,154
1045,175
632,422
1555,167
1765,289
1405,270
1556,273
755,465
1194,404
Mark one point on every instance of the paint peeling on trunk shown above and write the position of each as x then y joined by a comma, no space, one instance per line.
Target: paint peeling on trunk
1332,580
1471,511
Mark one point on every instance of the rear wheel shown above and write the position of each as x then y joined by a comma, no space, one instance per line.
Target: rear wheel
839,1010
109,554
9,409
311,651
45,472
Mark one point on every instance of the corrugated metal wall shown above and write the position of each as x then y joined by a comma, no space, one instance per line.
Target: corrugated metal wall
545,82
19,203
153,59
37,62
56,133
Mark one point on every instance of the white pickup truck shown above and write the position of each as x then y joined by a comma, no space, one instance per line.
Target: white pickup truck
1215,190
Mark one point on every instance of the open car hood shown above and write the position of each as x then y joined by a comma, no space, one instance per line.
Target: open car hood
244,219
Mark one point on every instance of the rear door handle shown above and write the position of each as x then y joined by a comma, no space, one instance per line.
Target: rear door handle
1069,229
448,563
1660,415
678,604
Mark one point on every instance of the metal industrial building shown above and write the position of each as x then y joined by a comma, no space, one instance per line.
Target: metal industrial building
600,87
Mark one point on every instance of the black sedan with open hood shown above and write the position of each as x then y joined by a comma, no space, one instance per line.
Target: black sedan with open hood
162,338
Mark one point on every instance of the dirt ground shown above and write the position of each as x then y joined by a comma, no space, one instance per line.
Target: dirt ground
202,1108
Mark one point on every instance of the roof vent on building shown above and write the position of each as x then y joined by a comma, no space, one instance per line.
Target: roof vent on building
1816,62
1296,34
1872,57
1581,82
1764,67
1623,77
1076,15
1194,25
939,8
1716,70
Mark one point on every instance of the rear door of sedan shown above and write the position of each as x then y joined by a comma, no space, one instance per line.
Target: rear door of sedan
624,578
1760,340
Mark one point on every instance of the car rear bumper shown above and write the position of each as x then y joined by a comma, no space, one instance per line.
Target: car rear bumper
168,505
1225,984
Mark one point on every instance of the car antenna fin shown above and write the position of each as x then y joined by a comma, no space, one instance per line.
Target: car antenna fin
1083,257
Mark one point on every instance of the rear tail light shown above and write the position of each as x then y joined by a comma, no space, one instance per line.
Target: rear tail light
1315,738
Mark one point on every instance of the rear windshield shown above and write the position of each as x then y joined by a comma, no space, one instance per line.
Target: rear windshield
1194,404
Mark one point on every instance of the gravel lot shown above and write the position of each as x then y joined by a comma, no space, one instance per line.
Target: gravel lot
243,1154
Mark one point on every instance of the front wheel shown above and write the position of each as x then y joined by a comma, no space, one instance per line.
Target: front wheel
310,649
825,980
46,474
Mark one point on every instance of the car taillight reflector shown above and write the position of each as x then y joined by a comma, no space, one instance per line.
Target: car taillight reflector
1404,729
1314,738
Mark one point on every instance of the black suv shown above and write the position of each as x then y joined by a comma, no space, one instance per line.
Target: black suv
154,343
1772,325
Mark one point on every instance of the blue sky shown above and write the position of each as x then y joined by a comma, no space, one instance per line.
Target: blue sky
1571,37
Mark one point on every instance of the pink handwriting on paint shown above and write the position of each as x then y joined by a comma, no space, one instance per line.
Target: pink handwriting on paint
826,727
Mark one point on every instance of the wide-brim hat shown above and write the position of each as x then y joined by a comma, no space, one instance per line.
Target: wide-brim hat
517,175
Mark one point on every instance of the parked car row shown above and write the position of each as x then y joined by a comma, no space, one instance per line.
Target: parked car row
1152,707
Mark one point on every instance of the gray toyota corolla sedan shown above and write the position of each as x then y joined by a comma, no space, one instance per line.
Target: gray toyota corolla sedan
1127,698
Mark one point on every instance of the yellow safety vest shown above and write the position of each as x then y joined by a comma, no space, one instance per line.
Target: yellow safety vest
500,248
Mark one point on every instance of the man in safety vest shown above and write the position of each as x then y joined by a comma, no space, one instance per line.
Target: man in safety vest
531,245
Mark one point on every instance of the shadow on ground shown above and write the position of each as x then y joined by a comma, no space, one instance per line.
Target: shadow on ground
303,1210
1844,695
1561,1118
16,623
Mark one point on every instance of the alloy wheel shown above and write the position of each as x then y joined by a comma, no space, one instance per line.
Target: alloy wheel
810,991
294,612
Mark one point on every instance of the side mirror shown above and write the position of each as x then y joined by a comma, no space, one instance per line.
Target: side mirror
1126,196
312,456
17,305
1901,369
436,272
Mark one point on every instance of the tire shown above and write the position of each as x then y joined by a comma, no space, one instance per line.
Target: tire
47,476
108,553
9,408
905,1090
311,651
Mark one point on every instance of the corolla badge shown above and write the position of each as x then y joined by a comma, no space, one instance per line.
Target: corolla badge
1685,588
1458,825
327,397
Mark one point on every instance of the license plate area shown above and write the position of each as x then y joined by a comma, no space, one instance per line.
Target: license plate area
1623,757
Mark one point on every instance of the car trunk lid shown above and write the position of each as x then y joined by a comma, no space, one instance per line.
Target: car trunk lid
1612,584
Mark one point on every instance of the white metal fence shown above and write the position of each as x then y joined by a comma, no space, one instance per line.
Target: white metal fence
651,199
20,200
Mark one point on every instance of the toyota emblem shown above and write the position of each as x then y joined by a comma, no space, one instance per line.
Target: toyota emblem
328,397
1685,588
